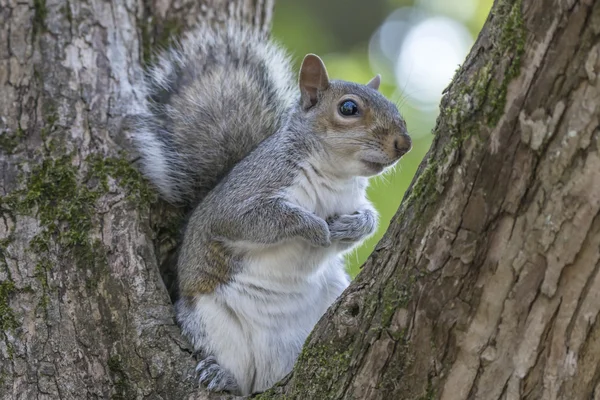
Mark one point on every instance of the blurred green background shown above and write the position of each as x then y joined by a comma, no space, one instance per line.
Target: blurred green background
416,45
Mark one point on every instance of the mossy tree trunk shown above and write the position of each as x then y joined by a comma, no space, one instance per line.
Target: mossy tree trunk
487,284
83,311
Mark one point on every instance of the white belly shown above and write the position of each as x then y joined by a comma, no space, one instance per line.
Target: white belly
273,313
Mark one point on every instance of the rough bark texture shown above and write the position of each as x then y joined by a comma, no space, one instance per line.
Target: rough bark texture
487,283
485,287
83,311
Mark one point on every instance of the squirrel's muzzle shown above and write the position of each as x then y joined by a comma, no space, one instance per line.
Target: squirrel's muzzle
402,144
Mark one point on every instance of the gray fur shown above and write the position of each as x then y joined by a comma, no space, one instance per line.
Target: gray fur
201,94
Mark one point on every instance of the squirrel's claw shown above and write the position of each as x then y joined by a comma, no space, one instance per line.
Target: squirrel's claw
214,377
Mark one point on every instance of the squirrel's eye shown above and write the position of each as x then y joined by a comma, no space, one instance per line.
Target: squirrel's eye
348,107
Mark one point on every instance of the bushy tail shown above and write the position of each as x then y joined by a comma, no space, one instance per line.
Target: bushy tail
211,99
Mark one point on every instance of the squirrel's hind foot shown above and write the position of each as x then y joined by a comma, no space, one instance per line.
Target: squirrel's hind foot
215,377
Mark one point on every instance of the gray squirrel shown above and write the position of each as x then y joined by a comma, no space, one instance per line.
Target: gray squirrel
277,178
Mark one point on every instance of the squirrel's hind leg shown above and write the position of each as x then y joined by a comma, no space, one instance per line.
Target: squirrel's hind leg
217,335
215,377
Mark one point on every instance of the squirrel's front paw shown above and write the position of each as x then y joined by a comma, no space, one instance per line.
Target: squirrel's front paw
352,227
215,377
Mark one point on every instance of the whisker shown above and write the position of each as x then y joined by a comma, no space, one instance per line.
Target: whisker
383,178
358,142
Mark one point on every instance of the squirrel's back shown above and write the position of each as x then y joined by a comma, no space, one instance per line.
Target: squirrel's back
211,99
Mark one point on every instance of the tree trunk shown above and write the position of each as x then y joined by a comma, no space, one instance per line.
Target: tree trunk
83,310
487,284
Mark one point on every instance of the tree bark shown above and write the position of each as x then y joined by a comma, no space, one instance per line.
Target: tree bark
83,310
487,284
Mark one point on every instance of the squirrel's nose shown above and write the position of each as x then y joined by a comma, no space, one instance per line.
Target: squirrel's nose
402,145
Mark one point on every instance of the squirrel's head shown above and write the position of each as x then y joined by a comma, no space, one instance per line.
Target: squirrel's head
362,129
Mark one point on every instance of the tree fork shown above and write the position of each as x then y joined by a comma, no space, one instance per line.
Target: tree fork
485,285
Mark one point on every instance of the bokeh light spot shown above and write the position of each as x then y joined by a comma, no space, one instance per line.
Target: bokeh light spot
431,52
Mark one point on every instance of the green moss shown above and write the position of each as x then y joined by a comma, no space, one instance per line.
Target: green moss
512,45
130,178
10,348
481,84
4,243
49,127
39,17
146,37
8,321
9,141
123,389
425,187
41,274
271,394
159,38
431,391
396,294
63,206
171,29
66,11
323,366
64,202
487,90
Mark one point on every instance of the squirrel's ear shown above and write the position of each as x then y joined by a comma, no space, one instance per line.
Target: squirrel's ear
313,79
374,83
